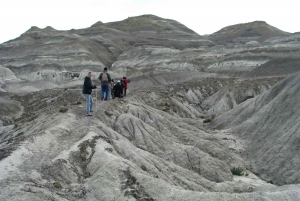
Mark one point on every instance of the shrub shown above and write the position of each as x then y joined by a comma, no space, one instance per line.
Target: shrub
237,171
63,109
56,184
166,109
209,119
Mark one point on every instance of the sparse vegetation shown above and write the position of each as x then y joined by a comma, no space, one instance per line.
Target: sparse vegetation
56,184
162,104
207,120
237,171
63,109
166,109
179,95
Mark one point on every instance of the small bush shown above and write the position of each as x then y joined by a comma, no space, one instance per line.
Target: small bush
237,171
56,184
63,109
209,119
166,109
143,168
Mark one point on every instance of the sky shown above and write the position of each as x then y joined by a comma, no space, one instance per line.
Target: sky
202,16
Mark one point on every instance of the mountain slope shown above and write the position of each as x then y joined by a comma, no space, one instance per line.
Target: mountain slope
270,124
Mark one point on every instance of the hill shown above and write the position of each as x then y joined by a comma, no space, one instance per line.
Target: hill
258,31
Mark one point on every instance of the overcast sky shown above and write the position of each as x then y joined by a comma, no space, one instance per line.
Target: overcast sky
202,16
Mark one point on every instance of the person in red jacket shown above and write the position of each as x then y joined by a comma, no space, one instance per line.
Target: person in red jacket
126,81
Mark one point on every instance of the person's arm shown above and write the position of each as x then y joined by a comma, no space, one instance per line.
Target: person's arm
109,78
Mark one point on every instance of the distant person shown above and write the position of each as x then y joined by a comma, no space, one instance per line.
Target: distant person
105,80
118,90
126,81
87,91
112,84
122,85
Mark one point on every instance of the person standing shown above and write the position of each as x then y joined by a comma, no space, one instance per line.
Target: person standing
105,80
126,81
87,91
122,85
112,88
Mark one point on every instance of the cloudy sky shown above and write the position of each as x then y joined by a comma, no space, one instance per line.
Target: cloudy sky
202,16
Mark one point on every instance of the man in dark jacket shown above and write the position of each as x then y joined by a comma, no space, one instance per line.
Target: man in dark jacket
87,91
118,90
105,80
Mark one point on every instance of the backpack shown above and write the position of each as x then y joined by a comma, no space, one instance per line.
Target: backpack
104,77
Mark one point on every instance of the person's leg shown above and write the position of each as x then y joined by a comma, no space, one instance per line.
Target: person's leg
106,92
116,94
125,92
87,100
102,92
109,91
91,103
112,94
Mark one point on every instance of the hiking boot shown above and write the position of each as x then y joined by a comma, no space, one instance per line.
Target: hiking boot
89,115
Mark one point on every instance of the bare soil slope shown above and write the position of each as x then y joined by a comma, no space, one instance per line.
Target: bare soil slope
270,124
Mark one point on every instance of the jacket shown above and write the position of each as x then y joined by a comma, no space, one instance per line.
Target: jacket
118,91
126,81
87,86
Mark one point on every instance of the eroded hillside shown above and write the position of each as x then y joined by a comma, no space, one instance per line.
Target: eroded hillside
152,145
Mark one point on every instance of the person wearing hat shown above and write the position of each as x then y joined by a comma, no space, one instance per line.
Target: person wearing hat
126,81
118,91
105,80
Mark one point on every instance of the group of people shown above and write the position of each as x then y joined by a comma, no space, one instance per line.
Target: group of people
108,88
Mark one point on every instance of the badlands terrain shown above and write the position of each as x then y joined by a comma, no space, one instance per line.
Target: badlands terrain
198,108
